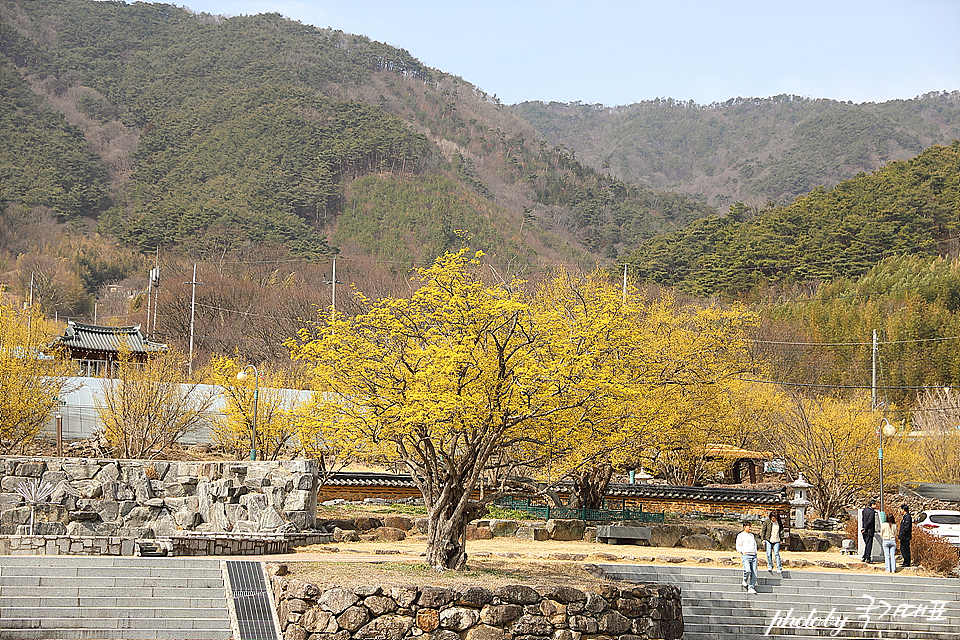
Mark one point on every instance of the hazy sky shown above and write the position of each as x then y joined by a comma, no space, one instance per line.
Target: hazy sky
624,51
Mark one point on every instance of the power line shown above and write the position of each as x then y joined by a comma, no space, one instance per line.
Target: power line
850,344
826,386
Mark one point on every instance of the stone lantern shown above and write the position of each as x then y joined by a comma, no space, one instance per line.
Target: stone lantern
800,502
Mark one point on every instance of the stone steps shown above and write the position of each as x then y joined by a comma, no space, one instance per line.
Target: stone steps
122,598
807,604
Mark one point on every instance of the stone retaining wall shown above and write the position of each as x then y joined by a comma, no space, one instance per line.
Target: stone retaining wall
183,545
239,544
306,612
149,499
63,545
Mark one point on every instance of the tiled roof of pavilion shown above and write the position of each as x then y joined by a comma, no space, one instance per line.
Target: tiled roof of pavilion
614,490
91,337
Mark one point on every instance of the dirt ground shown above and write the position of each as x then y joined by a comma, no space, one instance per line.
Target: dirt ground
503,561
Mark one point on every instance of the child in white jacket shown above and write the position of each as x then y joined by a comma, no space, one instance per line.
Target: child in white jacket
747,547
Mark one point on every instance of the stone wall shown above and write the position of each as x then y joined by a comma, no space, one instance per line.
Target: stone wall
63,545
640,612
239,544
650,504
149,499
688,506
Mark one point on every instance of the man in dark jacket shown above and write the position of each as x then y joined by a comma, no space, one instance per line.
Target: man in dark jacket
905,533
868,528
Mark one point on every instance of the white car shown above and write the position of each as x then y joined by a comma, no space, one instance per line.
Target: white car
945,524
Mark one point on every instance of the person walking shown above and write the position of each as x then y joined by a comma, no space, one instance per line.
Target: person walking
888,535
906,532
747,547
772,534
868,529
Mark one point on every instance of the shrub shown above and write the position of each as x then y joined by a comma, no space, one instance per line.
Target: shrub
933,552
850,530
501,513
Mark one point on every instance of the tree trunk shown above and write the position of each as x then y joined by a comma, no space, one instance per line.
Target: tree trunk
447,531
589,487
446,538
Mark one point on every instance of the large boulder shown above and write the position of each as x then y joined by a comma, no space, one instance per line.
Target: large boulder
329,525
353,618
337,600
517,594
398,522
436,597
533,533
458,618
497,615
388,534
475,597
316,620
380,605
503,528
667,535
726,538
566,529
563,594
345,535
479,533
698,541
363,523
485,632
613,623
385,628
428,620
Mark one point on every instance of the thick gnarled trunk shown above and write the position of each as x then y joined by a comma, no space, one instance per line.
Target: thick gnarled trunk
589,487
447,538
449,509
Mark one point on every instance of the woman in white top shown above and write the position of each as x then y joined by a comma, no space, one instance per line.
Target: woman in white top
888,534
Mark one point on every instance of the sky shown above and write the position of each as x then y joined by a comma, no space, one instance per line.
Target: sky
617,52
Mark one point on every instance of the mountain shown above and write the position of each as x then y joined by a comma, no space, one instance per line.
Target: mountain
202,135
750,150
907,208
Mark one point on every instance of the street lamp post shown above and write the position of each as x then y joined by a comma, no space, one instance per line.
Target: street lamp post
242,376
888,430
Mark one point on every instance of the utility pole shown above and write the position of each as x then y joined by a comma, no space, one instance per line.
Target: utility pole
153,287
29,306
333,291
156,295
873,384
193,304
624,284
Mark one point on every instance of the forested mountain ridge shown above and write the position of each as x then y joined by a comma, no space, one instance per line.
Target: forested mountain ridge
215,133
909,207
750,150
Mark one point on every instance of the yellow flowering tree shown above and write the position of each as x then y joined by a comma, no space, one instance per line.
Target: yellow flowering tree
150,406
656,380
31,383
833,442
278,402
466,376
448,379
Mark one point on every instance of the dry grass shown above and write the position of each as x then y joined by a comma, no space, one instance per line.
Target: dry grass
489,573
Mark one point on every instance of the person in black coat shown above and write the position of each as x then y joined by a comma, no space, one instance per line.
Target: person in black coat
905,533
868,528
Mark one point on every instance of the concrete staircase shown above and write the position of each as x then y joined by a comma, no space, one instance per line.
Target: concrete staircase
79,597
806,604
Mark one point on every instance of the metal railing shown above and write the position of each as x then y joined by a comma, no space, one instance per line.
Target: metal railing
612,510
